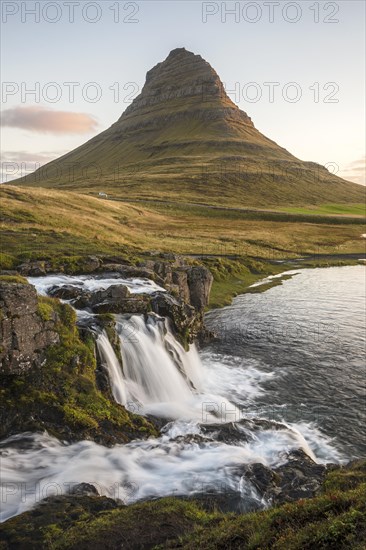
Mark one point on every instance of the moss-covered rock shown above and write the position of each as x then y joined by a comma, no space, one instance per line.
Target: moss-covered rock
61,395
27,326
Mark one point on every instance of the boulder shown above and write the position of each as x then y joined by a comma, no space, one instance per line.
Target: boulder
114,299
91,263
84,489
299,477
180,279
33,269
129,271
164,271
24,334
66,292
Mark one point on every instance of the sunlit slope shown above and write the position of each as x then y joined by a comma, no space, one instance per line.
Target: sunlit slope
183,138
45,223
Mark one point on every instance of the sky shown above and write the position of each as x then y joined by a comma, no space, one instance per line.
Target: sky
70,68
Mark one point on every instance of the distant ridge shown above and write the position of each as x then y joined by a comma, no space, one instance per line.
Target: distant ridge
184,138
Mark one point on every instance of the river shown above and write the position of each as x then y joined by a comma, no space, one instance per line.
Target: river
287,368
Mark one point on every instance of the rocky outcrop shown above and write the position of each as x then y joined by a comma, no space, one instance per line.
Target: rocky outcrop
85,264
114,299
299,477
186,297
200,282
25,334
187,293
186,323
192,284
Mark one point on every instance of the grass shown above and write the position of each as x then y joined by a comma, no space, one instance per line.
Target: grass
16,279
328,209
335,519
63,228
68,225
233,277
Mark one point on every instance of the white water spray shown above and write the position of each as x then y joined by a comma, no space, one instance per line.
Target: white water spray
109,359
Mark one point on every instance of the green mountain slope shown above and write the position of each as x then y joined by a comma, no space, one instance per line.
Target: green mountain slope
183,138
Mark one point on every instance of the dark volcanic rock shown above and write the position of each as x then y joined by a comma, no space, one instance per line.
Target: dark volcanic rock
129,271
24,334
33,269
200,281
164,271
180,279
66,292
185,321
299,477
230,433
84,489
114,299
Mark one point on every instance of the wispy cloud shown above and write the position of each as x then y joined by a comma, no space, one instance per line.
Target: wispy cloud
355,171
40,119
25,156
16,164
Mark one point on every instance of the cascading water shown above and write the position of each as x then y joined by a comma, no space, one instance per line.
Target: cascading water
148,367
157,375
199,399
109,359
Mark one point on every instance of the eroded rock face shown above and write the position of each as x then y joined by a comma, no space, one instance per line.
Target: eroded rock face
186,322
299,477
190,283
200,282
24,334
87,264
188,79
117,299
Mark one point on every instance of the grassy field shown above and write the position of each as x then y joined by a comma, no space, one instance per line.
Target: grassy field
328,209
63,226
43,223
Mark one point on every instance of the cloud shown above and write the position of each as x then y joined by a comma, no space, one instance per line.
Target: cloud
40,119
26,156
16,164
355,171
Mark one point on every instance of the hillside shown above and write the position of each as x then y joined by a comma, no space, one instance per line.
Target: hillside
46,223
183,139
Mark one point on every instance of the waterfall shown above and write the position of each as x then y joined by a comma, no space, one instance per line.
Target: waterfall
109,359
156,367
156,371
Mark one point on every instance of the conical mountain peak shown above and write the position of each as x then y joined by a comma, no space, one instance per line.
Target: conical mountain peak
184,82
182,136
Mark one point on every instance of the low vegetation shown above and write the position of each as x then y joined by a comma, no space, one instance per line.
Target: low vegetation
335,519
41,224
16,279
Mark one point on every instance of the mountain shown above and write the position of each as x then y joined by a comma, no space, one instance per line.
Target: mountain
183,139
